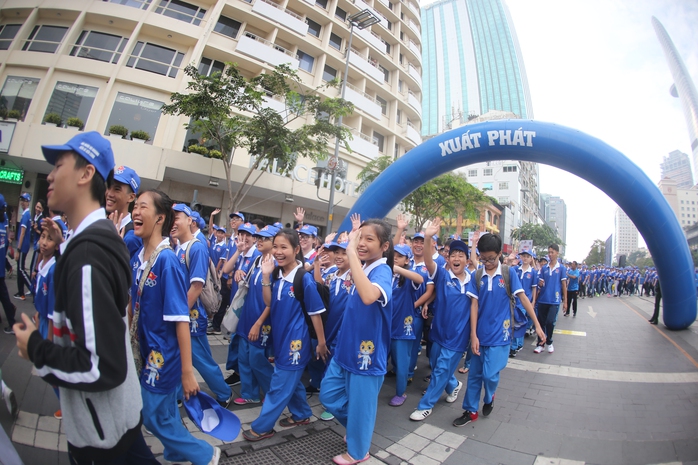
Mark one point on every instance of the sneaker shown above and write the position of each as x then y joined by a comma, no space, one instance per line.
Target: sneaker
397,401
326,416
419,415
310,389
233,380
58,415
216,456
538,349
241,401
27,292
215,331
551,349
10,401
19,296
467,417
8,330
487,408
512,353
566,314
454,395
226,403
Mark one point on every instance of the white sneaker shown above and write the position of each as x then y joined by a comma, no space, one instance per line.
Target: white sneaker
551,349
216,456
454,395
538,349
419,415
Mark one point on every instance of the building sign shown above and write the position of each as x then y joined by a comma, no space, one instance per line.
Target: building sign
11,176
7,130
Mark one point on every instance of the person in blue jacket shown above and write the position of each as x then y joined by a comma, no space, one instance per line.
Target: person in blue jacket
23,242
122,189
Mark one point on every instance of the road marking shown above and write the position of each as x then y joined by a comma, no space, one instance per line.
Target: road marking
569,333
591,312
603,375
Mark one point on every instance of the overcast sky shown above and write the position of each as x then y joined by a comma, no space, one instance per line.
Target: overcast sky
597,66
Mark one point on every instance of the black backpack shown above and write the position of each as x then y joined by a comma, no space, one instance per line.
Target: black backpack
299,292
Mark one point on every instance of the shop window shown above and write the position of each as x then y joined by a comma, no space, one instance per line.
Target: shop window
72,100
99,46
135,113
17,94
155,59
45,38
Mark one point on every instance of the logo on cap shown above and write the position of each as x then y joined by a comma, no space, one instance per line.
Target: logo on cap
119,170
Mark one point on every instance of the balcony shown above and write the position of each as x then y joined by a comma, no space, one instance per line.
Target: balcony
266,51
276,13
414,8
414,27
363,101
274,103
414,102
372,38
416,75
365,66
412,134
362,144
415,48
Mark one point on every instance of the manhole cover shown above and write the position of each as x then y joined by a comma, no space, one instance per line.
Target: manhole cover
260,457
316,448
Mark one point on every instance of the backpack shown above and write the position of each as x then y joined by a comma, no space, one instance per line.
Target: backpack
299,293
507,285
211,294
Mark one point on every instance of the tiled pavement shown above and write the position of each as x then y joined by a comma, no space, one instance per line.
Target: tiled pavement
624,392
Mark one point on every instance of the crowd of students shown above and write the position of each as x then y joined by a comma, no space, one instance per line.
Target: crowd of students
122,322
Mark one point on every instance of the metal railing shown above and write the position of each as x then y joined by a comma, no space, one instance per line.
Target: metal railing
269,43
359,91
279,7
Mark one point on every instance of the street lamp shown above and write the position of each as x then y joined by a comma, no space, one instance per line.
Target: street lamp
360,20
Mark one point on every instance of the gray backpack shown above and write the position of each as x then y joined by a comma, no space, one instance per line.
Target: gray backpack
211,294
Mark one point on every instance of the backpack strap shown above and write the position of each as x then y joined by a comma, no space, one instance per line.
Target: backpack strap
186,254
298,290
478,278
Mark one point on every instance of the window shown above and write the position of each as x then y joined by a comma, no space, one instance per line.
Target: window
390,25
329,73
7,34
387,47
208,66
503,200
99,46
182,11
399,116
17,94
155,59
227,26
306,61
72,100
321,3
386,73
487,172
509,169
45,38
504,185
341,14
335,41
472,173
313,27
384,105
142,4
378,140
487,186
135,113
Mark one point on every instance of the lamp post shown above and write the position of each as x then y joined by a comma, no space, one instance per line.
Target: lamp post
360,20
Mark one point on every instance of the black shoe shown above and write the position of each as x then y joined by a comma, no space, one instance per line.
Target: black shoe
233,379
311,389
487,408
566,314
512,353
654,322
227,402
8,330
464,419
427,379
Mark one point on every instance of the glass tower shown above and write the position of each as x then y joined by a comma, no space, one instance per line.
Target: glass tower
472,63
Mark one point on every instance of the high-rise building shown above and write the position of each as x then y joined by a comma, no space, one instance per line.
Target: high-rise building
116,62
472,62
684,202
555,215
677,166
683,88
625,235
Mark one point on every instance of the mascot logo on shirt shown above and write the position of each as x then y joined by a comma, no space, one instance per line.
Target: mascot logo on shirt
528,275
291,294
194,319
152,280
295,351
506,325
408,325
365,350
155,362
266,330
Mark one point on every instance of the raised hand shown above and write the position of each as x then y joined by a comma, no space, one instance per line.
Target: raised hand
355,222
299,215
330,237
267,265
402,222
434,227
54,231
215,212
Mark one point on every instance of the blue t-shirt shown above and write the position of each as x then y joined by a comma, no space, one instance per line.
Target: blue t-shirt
202,238
62,225
421,268
494,325
292,349
529,281
364,339
162,304
196,272
3,245
403,309
133,243
44,297
451,324
232,248
253,308
572,280
36,235
340,289
551,292
25,223
328,274
219,251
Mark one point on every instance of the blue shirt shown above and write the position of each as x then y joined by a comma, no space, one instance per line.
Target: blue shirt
61,224
26,224
3,245
36,235
403,309
196,272
219,251
451,324
253,308
364,339
421,268
529,281
572,280
133,243
551,292
202,238
292,348
162,304
44,297
494,325
340,289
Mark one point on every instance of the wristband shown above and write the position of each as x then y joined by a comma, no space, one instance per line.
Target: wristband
266,284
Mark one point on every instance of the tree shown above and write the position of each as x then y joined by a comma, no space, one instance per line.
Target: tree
597,253
542,236
438,197
230,112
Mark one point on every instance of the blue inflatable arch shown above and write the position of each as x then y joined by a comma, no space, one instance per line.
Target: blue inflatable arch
569,150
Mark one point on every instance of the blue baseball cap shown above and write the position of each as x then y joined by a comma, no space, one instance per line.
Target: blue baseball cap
338,245
458,245
419,235
3,204
126,175
248,228
454,236
309,230
211,418
180,207
278,225
201,223
91,145
26,197
221,229
404,250
238,214
267,231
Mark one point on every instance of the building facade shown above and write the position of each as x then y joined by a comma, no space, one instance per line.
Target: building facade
684,202
677,166
116,62
554,212
472,62
625,235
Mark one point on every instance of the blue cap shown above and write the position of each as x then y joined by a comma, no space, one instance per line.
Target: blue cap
338,245
215,227
404,250
201,223
180,207
309,230
126,175
91,146
545,257
267,231
459,245
278,225
3,204
221,229
419,234
238,214
454,236
211,418
248,228
25,196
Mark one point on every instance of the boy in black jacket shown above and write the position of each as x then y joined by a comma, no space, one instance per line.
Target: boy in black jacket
90,358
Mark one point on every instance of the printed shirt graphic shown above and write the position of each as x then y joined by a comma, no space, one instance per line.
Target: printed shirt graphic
252,309
403,309
363,341
162,304
551,293
292,349
494,325
340,287
451,324
198,269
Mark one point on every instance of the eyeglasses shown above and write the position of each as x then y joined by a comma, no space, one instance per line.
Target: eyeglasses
489,260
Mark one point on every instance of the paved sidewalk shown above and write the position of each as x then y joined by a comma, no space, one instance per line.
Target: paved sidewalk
617,390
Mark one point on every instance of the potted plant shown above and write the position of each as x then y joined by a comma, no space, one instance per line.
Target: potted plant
140,136
75,123
3,113
118,131
14,115
215,154
52,119
201,150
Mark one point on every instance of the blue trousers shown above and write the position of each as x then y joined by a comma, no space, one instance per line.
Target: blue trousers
444,363
208,368
286,390
353,400
255,370
232,362
468,357
517,343
316,368
400,353
484,370
161,417
417,327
